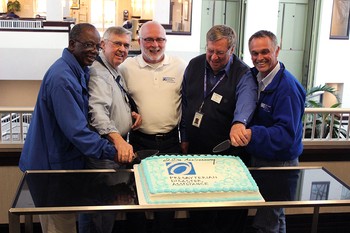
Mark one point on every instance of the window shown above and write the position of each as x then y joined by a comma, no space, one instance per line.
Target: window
39,7
319,190
103,14
340,19
180,16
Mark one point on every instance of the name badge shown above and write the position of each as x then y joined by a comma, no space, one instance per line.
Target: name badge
197,119
216,98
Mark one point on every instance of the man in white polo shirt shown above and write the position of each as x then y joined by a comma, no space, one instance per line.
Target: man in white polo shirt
154,81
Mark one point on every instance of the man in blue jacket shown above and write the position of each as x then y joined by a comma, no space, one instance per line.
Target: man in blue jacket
275,132
59,136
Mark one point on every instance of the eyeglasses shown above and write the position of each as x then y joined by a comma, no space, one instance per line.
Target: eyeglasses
90,45
211,52
150,40
118,44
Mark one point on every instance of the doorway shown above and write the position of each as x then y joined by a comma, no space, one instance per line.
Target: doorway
294,33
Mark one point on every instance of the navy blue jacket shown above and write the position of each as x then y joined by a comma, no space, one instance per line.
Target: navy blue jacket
277,122
58,136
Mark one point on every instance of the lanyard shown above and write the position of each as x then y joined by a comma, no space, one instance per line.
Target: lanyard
129,100
117,79
205,87
205,84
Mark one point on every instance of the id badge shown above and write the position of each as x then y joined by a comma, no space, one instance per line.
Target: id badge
216,98
197,119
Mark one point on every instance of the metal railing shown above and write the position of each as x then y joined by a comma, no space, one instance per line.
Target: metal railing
326,127
14,125
323,127
21,24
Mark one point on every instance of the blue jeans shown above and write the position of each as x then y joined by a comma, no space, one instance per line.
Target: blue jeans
271,220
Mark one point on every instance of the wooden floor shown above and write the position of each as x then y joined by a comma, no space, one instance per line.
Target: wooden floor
328,223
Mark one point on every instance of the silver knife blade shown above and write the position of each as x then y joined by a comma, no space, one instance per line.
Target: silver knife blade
222,146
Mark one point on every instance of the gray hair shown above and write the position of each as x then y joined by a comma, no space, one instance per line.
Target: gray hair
219,32
115,31
264,33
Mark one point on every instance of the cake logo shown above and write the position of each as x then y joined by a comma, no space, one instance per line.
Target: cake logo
180,168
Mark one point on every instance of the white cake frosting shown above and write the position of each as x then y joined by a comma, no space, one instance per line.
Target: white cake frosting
195,178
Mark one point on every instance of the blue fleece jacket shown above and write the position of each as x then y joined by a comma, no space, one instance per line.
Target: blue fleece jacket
277,122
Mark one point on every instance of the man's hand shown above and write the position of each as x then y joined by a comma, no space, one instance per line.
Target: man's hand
137,120
239,135
124,149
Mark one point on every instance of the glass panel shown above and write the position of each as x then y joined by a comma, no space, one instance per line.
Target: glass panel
77,189
181,16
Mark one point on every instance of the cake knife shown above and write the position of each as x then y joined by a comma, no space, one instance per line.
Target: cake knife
141,154
222,146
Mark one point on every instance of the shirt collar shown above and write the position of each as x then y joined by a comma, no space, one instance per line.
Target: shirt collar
111,69
264,82
143,63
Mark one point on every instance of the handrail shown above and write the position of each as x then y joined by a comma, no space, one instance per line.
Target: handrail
326,128
13,128
21,24
318,123
34,24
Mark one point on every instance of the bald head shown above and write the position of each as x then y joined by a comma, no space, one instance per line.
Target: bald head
152,39
152,26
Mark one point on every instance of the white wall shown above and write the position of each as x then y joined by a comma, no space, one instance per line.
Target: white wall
162,14
332,61
28,55
54,10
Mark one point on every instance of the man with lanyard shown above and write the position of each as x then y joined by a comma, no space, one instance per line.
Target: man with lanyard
110,114
219,96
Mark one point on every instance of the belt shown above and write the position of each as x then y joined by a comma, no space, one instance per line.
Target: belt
159,136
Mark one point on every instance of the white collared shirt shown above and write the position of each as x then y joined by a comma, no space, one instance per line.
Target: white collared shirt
156,91
264,82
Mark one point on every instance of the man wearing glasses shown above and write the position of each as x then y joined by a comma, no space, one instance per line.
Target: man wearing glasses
219,96
154,81
110,114
59,137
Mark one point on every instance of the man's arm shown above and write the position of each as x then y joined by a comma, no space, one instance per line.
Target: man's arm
184,141
99,104
72,121
246,95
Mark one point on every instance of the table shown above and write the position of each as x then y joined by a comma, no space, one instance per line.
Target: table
66,191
